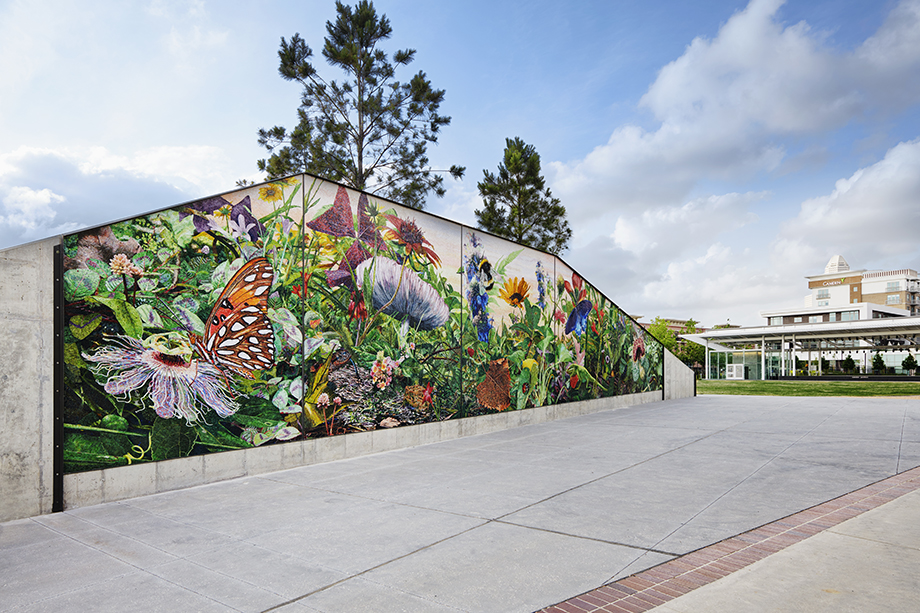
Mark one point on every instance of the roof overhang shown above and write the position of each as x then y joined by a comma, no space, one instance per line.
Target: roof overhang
865,329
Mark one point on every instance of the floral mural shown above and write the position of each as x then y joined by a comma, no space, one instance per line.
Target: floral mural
302,309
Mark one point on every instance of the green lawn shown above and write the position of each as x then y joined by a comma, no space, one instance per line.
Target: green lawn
810,388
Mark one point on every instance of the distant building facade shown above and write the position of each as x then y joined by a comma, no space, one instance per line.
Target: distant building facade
847,314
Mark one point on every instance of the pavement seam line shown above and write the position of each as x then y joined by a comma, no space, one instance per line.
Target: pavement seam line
710,563
372,568
734,487
587,538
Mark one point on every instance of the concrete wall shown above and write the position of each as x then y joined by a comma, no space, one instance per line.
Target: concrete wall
26,379
678,378
27,413
94,487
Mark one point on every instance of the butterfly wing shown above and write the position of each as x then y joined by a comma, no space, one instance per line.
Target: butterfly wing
238,334
578,317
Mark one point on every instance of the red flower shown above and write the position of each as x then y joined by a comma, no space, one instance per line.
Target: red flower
576,280
410,236
593,327
297,289
559,315
574,381
471,351
568,287
428,396
356,308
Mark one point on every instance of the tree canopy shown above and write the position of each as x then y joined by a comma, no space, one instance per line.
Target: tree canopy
368,130
518,205
688,352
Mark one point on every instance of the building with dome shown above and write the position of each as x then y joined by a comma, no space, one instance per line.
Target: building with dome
847,313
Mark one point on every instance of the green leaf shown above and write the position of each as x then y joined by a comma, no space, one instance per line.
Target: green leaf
79,283
280,399
170,438
253,421
72,355
83,325
83,452
190,320
499,269
149,317
126,315
218,437
114,422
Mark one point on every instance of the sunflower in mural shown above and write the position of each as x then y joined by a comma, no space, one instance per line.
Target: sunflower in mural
514,291
270,193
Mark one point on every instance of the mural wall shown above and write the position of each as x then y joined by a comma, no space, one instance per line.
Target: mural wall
301,309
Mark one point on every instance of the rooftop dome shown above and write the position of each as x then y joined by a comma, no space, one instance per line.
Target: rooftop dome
835,265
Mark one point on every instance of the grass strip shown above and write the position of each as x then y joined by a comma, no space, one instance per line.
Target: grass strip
810,388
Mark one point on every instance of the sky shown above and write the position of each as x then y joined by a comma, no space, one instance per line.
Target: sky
710,155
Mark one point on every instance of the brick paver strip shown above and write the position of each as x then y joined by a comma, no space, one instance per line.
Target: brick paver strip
654,586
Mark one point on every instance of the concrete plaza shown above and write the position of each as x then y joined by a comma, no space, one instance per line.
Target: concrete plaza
515,520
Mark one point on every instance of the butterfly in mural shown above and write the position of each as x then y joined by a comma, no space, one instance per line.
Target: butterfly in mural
578,318
238,335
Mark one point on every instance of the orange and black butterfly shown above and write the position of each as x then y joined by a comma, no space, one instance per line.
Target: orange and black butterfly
238,334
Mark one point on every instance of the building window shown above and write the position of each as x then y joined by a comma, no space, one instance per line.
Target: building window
797,320
824,303
893,299
823,294
832,317
855,288
893,286
813,319
849,316
774,321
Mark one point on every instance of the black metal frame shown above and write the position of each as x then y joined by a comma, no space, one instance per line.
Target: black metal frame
57,499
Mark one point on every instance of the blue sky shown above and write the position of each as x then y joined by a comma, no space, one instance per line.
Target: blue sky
710,154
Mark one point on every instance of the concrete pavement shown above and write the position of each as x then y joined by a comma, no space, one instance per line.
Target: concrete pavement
868,563
509,521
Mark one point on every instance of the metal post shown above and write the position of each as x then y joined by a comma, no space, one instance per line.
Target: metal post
782,356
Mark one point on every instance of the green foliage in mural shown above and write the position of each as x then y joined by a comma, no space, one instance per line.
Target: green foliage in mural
299,309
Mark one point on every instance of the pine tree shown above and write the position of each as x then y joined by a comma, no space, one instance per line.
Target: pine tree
368,131
518,205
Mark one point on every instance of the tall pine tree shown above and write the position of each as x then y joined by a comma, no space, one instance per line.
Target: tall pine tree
369,130
518,205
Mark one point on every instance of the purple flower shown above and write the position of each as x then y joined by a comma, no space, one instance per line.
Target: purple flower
400,293
176,387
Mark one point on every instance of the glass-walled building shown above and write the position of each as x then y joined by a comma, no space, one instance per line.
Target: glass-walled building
848,318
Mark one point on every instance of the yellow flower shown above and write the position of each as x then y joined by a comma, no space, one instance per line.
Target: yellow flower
530,363
224,211
514,292
270,192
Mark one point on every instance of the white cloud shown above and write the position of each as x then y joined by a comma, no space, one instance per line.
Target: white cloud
725,112
663,230
31,212
195,169
725,106
872,217
46,192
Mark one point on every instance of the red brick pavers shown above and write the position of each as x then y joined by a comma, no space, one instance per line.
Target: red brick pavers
650,588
